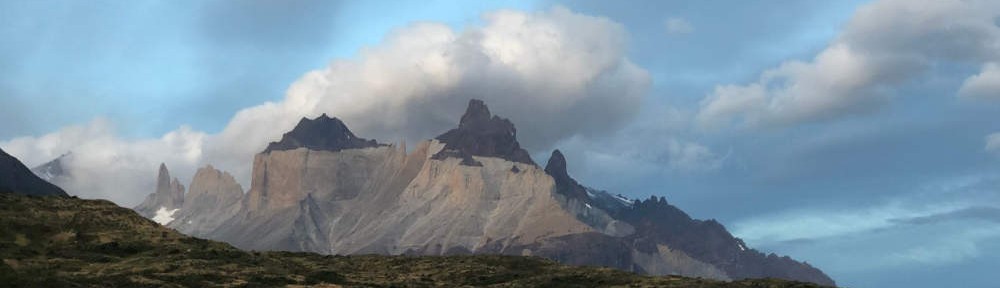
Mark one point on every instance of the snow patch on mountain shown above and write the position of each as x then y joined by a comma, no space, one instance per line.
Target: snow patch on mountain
164,215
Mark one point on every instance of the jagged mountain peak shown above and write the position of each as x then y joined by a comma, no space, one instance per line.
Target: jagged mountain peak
322,133
55,170
210,169
476,112
213,197
480,133
209,173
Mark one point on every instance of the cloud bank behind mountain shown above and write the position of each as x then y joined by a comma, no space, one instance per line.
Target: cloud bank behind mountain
556,74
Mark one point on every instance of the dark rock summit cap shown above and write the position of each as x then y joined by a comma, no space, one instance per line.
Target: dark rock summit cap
482,134
323,133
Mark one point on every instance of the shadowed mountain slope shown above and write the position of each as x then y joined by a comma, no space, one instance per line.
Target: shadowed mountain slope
17,178
657,223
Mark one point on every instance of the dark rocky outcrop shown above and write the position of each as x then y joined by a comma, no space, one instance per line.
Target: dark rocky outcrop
480,133
17,178
556,167
320,134
659,223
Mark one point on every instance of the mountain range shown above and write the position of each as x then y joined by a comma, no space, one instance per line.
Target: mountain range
471,190
51,240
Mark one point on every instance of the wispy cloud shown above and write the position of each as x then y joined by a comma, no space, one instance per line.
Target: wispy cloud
940,224
985,213
676,25
993,143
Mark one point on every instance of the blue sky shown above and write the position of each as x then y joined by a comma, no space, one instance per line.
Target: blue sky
149,59
854,135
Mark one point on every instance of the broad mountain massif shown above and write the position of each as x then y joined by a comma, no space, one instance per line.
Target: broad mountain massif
51,240
471,190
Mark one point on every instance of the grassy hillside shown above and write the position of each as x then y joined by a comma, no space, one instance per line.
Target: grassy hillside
69,242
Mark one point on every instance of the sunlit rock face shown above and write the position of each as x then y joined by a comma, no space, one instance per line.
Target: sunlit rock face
383,200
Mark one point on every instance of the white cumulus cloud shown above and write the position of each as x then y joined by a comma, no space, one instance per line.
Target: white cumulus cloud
985,85
884,44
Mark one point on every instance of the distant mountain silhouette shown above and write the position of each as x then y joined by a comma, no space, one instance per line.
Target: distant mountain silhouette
17,178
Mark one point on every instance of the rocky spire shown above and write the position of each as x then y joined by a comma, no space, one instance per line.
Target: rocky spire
556,167
163,178
323,133
169,195
171,189
476,113
566,185
481,134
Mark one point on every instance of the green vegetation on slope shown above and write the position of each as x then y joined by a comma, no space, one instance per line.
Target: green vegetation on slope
69,242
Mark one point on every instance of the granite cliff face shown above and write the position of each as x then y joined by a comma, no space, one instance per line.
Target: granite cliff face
386,201
17,178
165,201
471,190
